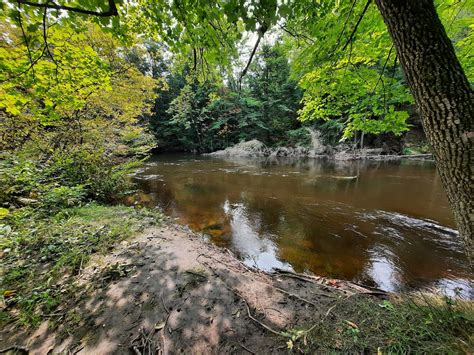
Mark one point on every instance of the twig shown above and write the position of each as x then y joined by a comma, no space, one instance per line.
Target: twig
245,348
383,69
27,69
57,314
14,347
27,42
326,314
298,297
344,27
294,275
256,320
164,306
336,304
45,39
297,35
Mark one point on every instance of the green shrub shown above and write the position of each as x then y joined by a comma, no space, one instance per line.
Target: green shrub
62,197
64,178
19,178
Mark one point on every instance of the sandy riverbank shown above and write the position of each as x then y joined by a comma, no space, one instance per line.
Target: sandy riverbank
169,290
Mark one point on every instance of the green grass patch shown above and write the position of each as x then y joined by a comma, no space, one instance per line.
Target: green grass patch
408,324
41,254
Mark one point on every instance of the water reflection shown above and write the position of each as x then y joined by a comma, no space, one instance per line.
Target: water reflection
256,250
384,224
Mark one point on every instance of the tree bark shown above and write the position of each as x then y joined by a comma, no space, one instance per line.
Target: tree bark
443,97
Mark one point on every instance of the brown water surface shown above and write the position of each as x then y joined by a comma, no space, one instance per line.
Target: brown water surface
386,224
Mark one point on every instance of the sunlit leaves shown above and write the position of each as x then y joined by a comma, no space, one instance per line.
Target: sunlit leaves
359,81
365,98
81,85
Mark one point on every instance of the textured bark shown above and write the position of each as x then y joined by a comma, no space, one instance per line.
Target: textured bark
443,97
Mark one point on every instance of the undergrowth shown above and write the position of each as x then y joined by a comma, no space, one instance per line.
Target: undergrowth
406,324
41,254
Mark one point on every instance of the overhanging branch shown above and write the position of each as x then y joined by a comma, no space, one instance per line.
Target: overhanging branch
261,32
351,37
112,11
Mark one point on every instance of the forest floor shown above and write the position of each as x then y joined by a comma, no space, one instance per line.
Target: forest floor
168,290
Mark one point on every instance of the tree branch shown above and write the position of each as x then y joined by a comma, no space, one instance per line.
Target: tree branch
27,42
27,69
297,35
383,69
351,37
345,24
112,11
261,32
45,39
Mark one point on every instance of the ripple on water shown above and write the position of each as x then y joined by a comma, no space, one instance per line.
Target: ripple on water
155,177
374,229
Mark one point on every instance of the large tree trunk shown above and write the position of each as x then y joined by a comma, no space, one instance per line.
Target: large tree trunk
444,99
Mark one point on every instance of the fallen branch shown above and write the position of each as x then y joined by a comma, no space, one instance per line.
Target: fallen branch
294,275
301,298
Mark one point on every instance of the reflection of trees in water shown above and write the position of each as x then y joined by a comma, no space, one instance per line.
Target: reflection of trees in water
314,221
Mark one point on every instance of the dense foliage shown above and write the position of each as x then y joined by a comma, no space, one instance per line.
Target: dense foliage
72,127
66,121
204,116
333,66
83,96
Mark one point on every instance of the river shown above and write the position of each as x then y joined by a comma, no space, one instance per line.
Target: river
384,224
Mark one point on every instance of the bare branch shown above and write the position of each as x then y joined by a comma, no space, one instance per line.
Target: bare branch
27,42
261,32
112,11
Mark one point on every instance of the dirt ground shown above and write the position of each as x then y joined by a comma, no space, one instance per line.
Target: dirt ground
170,291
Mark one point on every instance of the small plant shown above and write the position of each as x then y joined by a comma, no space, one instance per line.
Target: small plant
62,197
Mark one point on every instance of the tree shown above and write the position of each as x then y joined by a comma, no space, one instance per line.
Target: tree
83,92
269,82
207,32
443,97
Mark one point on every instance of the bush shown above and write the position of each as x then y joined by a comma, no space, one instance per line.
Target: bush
65,178
102,177
20,178
62,197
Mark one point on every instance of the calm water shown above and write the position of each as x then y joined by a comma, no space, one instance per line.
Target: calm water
390,227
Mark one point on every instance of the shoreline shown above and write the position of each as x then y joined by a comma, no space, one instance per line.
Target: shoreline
169,271
168,289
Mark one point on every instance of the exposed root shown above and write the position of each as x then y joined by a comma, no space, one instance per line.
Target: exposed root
143,344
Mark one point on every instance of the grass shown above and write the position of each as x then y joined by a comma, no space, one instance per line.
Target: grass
41,254
406,324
